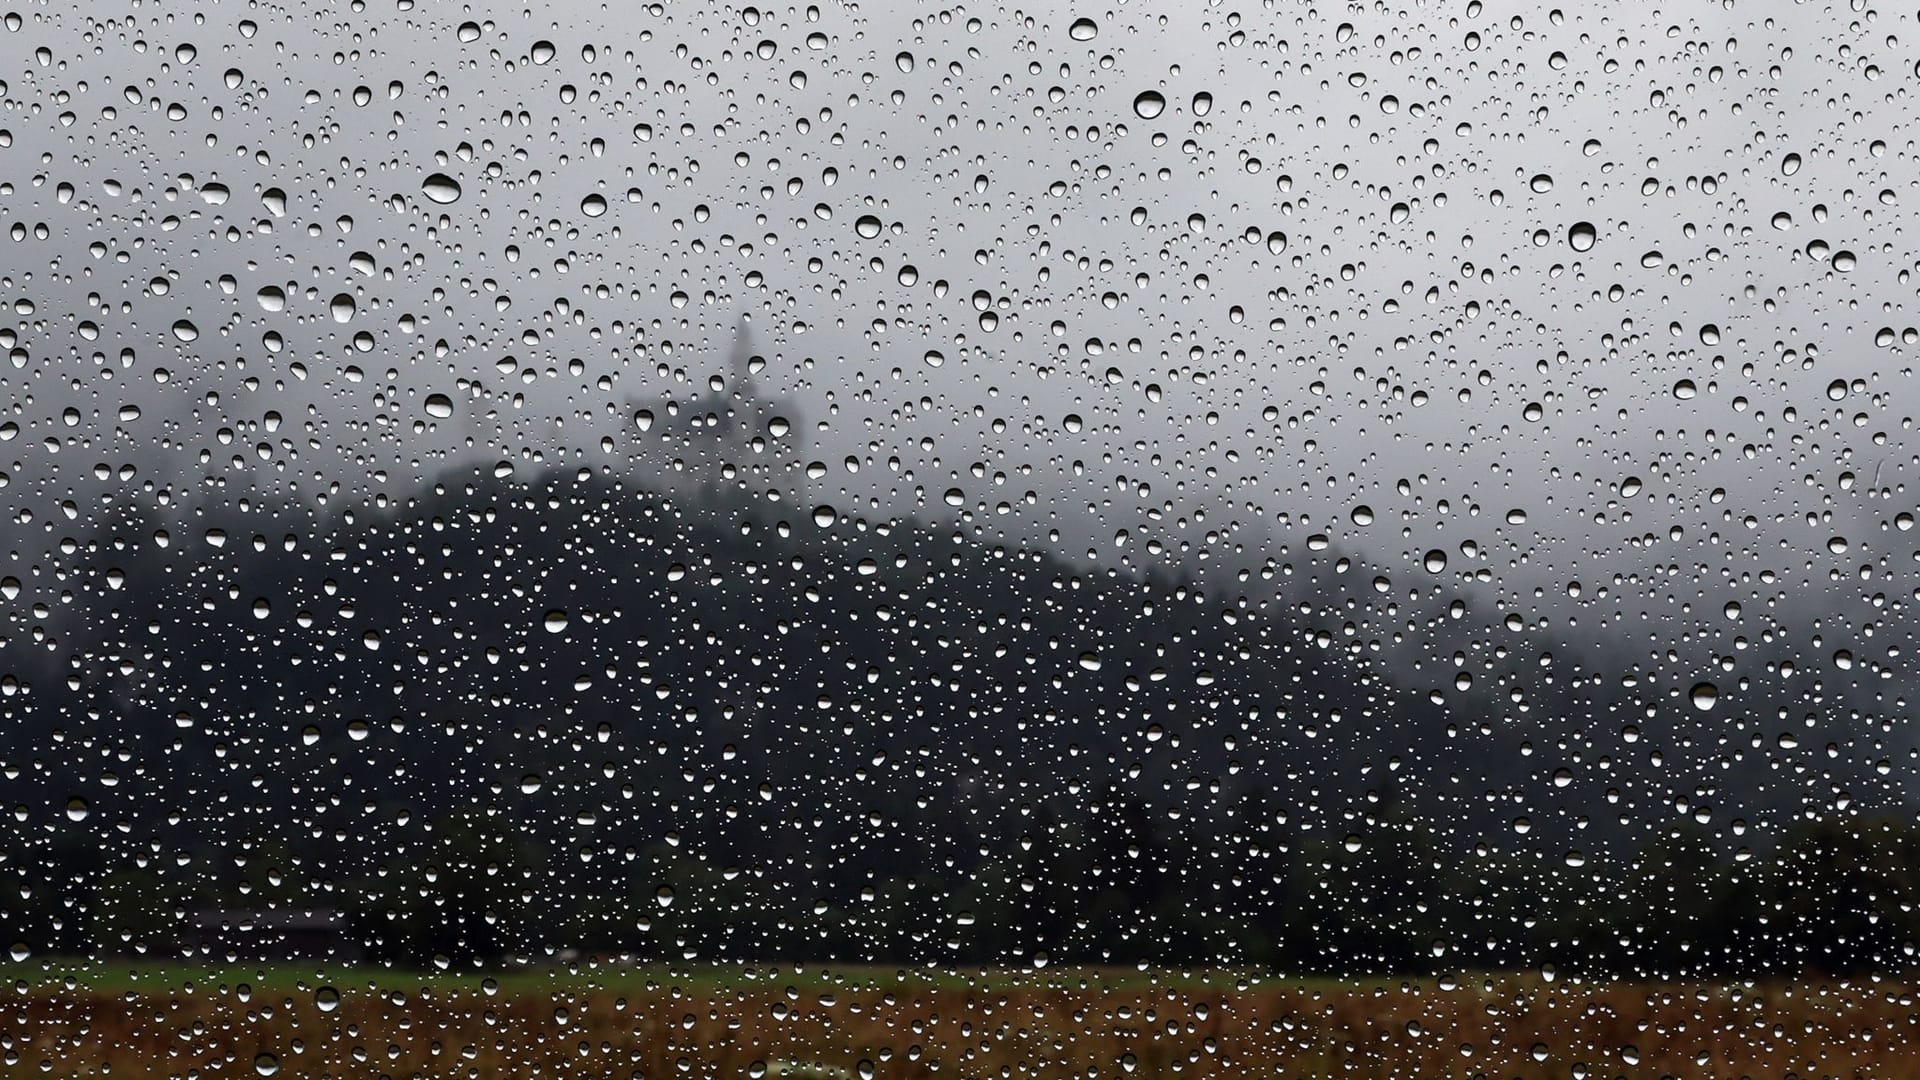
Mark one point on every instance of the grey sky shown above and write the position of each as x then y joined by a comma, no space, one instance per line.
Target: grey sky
1340,256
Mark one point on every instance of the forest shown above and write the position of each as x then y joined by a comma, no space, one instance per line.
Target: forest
521,714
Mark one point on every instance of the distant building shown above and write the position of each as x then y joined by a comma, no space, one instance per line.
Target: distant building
271,936
729,437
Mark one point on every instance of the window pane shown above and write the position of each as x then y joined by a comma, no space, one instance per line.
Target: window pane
828,540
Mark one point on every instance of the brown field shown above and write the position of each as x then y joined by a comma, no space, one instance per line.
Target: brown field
793,1023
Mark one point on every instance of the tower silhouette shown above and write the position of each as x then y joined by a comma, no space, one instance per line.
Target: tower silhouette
729,440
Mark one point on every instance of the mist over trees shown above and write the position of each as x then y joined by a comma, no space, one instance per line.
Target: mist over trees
531,712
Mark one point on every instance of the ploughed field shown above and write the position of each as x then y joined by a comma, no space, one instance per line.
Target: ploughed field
603,1019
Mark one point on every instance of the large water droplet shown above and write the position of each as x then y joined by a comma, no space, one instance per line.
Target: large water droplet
1704,696
1149,104
1582,236
441,188
439,406
1083,30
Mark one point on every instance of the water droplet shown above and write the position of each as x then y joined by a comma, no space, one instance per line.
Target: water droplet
1202,103
531,783
77,809
1090,661
824,516
555,621
271,298
341,307
185,330
1083,30
1704,696
1685,390
867,226
468,31
1541,183
1789,164
1581,236
441,188
644,419
1361,515
1149,104
266,1064
439,406
593,205
1435,561
326,999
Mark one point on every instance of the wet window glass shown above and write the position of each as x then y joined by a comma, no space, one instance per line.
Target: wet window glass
902,541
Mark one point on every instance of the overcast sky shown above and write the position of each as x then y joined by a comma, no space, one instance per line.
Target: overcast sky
1618,292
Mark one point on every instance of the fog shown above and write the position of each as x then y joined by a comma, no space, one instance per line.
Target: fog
1603,304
